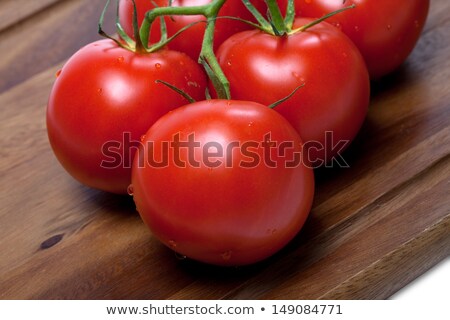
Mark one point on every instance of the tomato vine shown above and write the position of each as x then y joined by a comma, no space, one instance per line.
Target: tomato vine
207,57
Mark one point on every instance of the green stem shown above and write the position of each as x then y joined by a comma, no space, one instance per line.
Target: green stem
100,26
277,103
140,48
120,31
151,16
325,17
264,24
290,15
165,41
276,18
207,56
209,61
177,90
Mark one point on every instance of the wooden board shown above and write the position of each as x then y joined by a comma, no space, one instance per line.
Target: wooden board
37,34
373,229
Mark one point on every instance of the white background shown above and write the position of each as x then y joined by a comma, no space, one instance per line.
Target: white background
433,285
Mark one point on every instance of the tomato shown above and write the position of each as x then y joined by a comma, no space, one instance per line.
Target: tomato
190,41
385,31
335,97
105,96
219,182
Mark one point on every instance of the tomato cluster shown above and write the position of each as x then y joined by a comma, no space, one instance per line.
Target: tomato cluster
224,181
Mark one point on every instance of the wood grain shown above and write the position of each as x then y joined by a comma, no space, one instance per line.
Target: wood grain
374,227
15,11
38,34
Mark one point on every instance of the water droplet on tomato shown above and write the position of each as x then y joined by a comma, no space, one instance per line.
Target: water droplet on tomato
100,90
356,28
143,137
130,190
250,124
337,25
58,73
389,27
158,65
120,59
226,255
180,256
181,63
229,63
172,244
308,1
295,75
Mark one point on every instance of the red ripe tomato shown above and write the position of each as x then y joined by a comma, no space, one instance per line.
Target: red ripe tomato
385,31
190,41
335,97
104,99
216,181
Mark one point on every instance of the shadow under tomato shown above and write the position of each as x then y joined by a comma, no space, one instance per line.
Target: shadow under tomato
101,201
261,276
391,82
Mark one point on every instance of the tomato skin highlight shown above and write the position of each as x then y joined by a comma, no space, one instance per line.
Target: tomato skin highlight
385,31
190,41
336,91
222,215
103,92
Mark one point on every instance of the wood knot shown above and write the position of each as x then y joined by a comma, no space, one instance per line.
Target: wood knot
50,242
